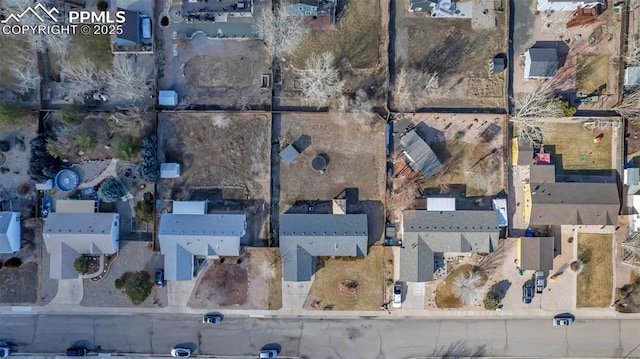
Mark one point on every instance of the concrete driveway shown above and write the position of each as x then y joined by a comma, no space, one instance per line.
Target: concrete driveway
70,291
294,294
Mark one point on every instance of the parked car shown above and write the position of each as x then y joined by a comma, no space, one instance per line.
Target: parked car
268,353
527,292
180,352
4,351
212,318
397,295
76,352
160,278
563,320
540,282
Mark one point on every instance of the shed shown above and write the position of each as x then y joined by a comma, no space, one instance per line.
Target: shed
632,176
499,205
440,204
168,98
46,186
189,207
544,159
540,63
419,155
632,76
497,65
169,170
289,154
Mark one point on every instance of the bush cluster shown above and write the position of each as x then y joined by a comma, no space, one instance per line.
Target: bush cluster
149,167
42,166
110,191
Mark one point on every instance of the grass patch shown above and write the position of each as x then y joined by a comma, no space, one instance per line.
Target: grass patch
96,48
592,72
356,40
572,148
368,272
595,282
444,292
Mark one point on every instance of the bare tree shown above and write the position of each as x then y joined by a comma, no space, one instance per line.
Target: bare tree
131,121
629,107
538,103
403,194
281,33
25,71
468,287
357,102
321,81
411,85
125,82
82,77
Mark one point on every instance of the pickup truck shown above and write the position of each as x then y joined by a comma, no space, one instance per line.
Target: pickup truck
540,282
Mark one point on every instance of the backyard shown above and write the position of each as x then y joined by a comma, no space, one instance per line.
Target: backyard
595,281
356,41
349,283
573,147
592,73
96,48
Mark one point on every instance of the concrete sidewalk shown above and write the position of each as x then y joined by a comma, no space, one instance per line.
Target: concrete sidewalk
595,313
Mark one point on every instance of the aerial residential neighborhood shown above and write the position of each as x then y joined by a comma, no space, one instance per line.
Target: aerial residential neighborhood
320,178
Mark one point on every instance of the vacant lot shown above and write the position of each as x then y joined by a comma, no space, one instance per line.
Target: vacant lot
573,148
24,284
213,72
217,150
353,146
251,281
595,281
367,273
356,41
592,73
460,57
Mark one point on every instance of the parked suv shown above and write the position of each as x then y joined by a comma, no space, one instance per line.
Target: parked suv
397,295
212,318
160,278
527,292
540,282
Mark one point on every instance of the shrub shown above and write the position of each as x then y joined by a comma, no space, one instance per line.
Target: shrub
149,167
567,109
42,166
81,264
4,146
13,262
71,113
138,286
110,191
123,148
119,283
102,5
144,208
459,135
388,282
491,301
10,114
86,142
52,148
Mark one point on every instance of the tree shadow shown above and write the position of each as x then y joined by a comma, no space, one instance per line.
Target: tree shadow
500,289
187,345
459,349
272,346
83,344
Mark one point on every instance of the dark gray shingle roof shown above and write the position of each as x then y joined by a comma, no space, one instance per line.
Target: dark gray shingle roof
419,154
536,253
305,236
544,62
426,232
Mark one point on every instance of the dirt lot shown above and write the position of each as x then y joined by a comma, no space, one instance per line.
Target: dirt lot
460,56
595,281
213,72
217,150
354,147
24,284
367,272
575,149
13,172
251,281
471,148
356,41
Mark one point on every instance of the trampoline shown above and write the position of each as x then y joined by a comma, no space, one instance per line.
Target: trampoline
67,180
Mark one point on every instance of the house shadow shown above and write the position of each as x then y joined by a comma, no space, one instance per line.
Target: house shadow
457,190
302,143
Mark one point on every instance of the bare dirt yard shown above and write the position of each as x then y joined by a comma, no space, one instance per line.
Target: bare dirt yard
214,72
470,146
572,147
353,145
251,281
595,281
216,150
349,283
460,57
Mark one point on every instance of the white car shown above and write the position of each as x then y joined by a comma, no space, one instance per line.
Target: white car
268,353
180,352
562,321
397,295
4,352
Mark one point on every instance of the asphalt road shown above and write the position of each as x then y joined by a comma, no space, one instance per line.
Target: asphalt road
313,338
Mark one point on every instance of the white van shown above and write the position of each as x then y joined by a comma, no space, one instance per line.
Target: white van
146,28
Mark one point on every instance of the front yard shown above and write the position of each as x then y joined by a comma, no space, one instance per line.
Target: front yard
595,281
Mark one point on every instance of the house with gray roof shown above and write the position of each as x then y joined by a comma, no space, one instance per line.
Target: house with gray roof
9,232
304,237
70,235
425,233
540,63
535,253
184,236
419,155
311,8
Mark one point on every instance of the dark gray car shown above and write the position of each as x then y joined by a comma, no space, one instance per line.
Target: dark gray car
527,292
